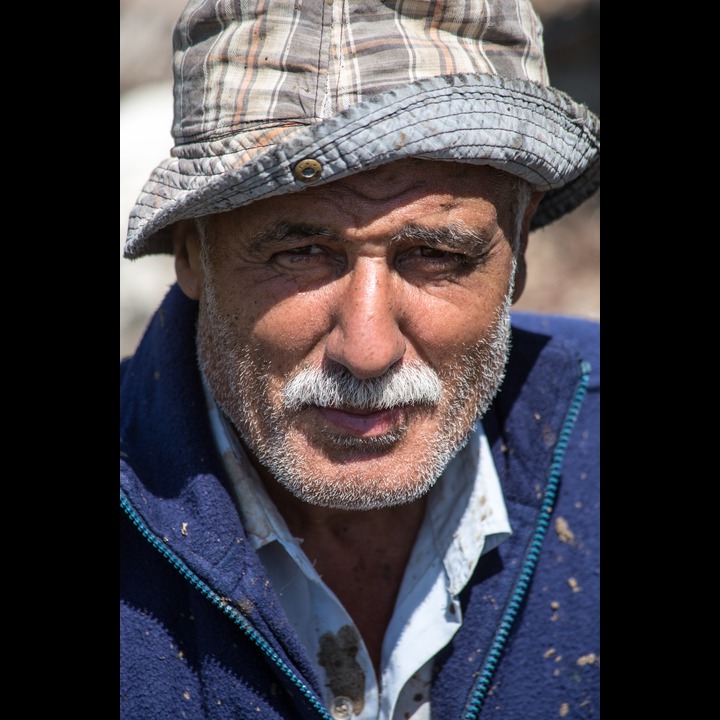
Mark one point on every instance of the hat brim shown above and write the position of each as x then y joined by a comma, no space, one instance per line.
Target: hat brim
523,128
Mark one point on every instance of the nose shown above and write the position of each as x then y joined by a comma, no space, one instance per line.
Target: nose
366,337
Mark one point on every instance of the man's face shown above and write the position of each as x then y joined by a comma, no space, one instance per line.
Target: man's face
354,332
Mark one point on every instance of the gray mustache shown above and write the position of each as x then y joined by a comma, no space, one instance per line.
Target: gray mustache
406,384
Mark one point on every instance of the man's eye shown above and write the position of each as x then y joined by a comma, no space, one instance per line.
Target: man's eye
304,257
434,263
304,250
434,253
297,254
439,256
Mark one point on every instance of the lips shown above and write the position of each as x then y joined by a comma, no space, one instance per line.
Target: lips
371,424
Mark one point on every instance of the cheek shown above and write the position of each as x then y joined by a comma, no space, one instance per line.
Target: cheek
253,309
444,327
289,331
443,339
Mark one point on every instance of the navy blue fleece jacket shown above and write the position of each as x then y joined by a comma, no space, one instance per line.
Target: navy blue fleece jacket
203,634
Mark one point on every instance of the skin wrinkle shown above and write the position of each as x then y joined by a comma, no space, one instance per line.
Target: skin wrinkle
477,375
245,377
454,237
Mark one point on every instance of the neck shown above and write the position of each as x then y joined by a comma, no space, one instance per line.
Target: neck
360,555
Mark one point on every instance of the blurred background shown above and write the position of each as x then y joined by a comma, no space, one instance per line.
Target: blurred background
563,259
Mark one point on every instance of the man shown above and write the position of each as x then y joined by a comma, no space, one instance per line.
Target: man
353,483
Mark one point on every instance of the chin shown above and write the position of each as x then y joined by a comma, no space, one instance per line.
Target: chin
366,476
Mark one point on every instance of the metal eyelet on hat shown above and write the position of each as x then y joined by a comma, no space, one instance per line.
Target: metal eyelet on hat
307,170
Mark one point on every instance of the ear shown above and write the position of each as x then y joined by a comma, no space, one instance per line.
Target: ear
186,248
521,271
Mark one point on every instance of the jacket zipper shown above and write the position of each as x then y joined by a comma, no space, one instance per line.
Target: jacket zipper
532,554
239,620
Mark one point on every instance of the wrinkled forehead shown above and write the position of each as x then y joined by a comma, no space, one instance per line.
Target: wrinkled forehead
392,199
404,181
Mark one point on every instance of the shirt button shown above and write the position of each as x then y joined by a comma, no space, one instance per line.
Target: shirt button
307,170
341,708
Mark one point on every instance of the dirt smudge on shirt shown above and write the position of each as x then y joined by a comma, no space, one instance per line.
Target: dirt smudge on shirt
337,655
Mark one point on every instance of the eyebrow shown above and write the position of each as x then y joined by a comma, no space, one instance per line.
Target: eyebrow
278,233
455,237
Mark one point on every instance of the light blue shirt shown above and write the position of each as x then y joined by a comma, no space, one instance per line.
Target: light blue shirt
465,518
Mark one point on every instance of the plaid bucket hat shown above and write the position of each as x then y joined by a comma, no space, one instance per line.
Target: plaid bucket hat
274,96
